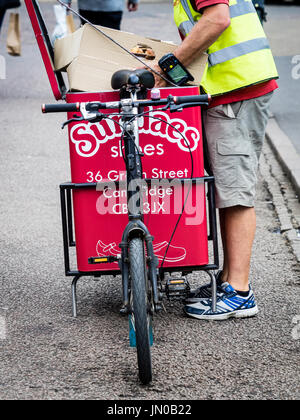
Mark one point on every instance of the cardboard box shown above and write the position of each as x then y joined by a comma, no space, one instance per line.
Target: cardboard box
90,58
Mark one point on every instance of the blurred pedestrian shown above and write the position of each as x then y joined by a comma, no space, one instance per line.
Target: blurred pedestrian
2,13
260,10
105,12
7,4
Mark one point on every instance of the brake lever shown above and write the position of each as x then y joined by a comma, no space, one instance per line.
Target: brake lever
71,120
95,117
177,108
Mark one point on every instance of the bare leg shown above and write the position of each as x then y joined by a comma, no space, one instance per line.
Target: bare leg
238,225
225,258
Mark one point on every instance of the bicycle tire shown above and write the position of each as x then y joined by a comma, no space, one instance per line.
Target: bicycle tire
138,274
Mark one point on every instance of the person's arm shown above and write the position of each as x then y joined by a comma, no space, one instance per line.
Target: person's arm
132,5
214,21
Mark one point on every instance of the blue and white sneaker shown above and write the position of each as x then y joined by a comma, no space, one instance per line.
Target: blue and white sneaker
204,292
229,305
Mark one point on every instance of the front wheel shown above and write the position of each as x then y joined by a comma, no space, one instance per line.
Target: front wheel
141,315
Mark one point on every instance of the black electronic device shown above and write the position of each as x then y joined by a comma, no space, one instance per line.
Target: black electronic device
174,70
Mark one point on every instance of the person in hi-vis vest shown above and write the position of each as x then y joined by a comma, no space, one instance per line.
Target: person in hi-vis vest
240,76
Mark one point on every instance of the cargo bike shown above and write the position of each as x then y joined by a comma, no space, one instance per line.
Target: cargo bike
139,204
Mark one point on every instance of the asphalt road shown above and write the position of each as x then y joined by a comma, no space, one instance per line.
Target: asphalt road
45,353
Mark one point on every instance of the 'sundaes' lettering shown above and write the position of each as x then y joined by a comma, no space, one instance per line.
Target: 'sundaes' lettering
88,137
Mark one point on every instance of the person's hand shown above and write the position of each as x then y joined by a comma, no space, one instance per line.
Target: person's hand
131,6
159,82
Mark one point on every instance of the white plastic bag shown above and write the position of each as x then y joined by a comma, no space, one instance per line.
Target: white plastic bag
60,29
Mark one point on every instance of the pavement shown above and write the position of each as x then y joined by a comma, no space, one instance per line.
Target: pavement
46,354
284,126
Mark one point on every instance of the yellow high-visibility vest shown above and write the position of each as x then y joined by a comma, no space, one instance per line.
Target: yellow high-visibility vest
240,57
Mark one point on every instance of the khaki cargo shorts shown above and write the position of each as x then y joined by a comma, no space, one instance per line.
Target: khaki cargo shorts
235,135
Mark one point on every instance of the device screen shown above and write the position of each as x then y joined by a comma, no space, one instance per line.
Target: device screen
177,73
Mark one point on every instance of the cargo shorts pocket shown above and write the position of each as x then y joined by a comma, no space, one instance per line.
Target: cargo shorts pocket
233,165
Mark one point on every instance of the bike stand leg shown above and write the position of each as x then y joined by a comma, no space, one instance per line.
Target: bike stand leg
74,296
213,291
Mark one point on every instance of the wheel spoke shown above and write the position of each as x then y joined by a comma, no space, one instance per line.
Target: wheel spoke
141,321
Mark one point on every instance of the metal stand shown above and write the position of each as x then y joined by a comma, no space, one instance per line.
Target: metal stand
74,296
213,291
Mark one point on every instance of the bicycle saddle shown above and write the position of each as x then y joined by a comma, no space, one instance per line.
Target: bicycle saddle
122,78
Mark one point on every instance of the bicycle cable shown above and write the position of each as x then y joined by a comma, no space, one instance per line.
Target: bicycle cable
115,42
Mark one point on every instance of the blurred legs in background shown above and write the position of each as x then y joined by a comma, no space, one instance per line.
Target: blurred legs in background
2,13
108,19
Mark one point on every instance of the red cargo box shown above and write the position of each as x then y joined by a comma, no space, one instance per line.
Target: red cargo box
101,216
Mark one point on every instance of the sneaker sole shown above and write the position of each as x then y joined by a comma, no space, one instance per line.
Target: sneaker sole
243,313
195,300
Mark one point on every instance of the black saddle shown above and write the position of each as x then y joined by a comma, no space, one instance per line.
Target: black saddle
124,78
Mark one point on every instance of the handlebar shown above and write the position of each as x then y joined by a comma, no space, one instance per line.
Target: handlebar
74,107
178,100
184,101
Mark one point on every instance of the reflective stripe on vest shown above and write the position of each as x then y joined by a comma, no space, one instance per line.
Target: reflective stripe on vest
186,27
187,10
242,7
237,50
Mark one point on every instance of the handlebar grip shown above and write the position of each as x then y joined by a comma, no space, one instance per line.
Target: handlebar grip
74,107
193,98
